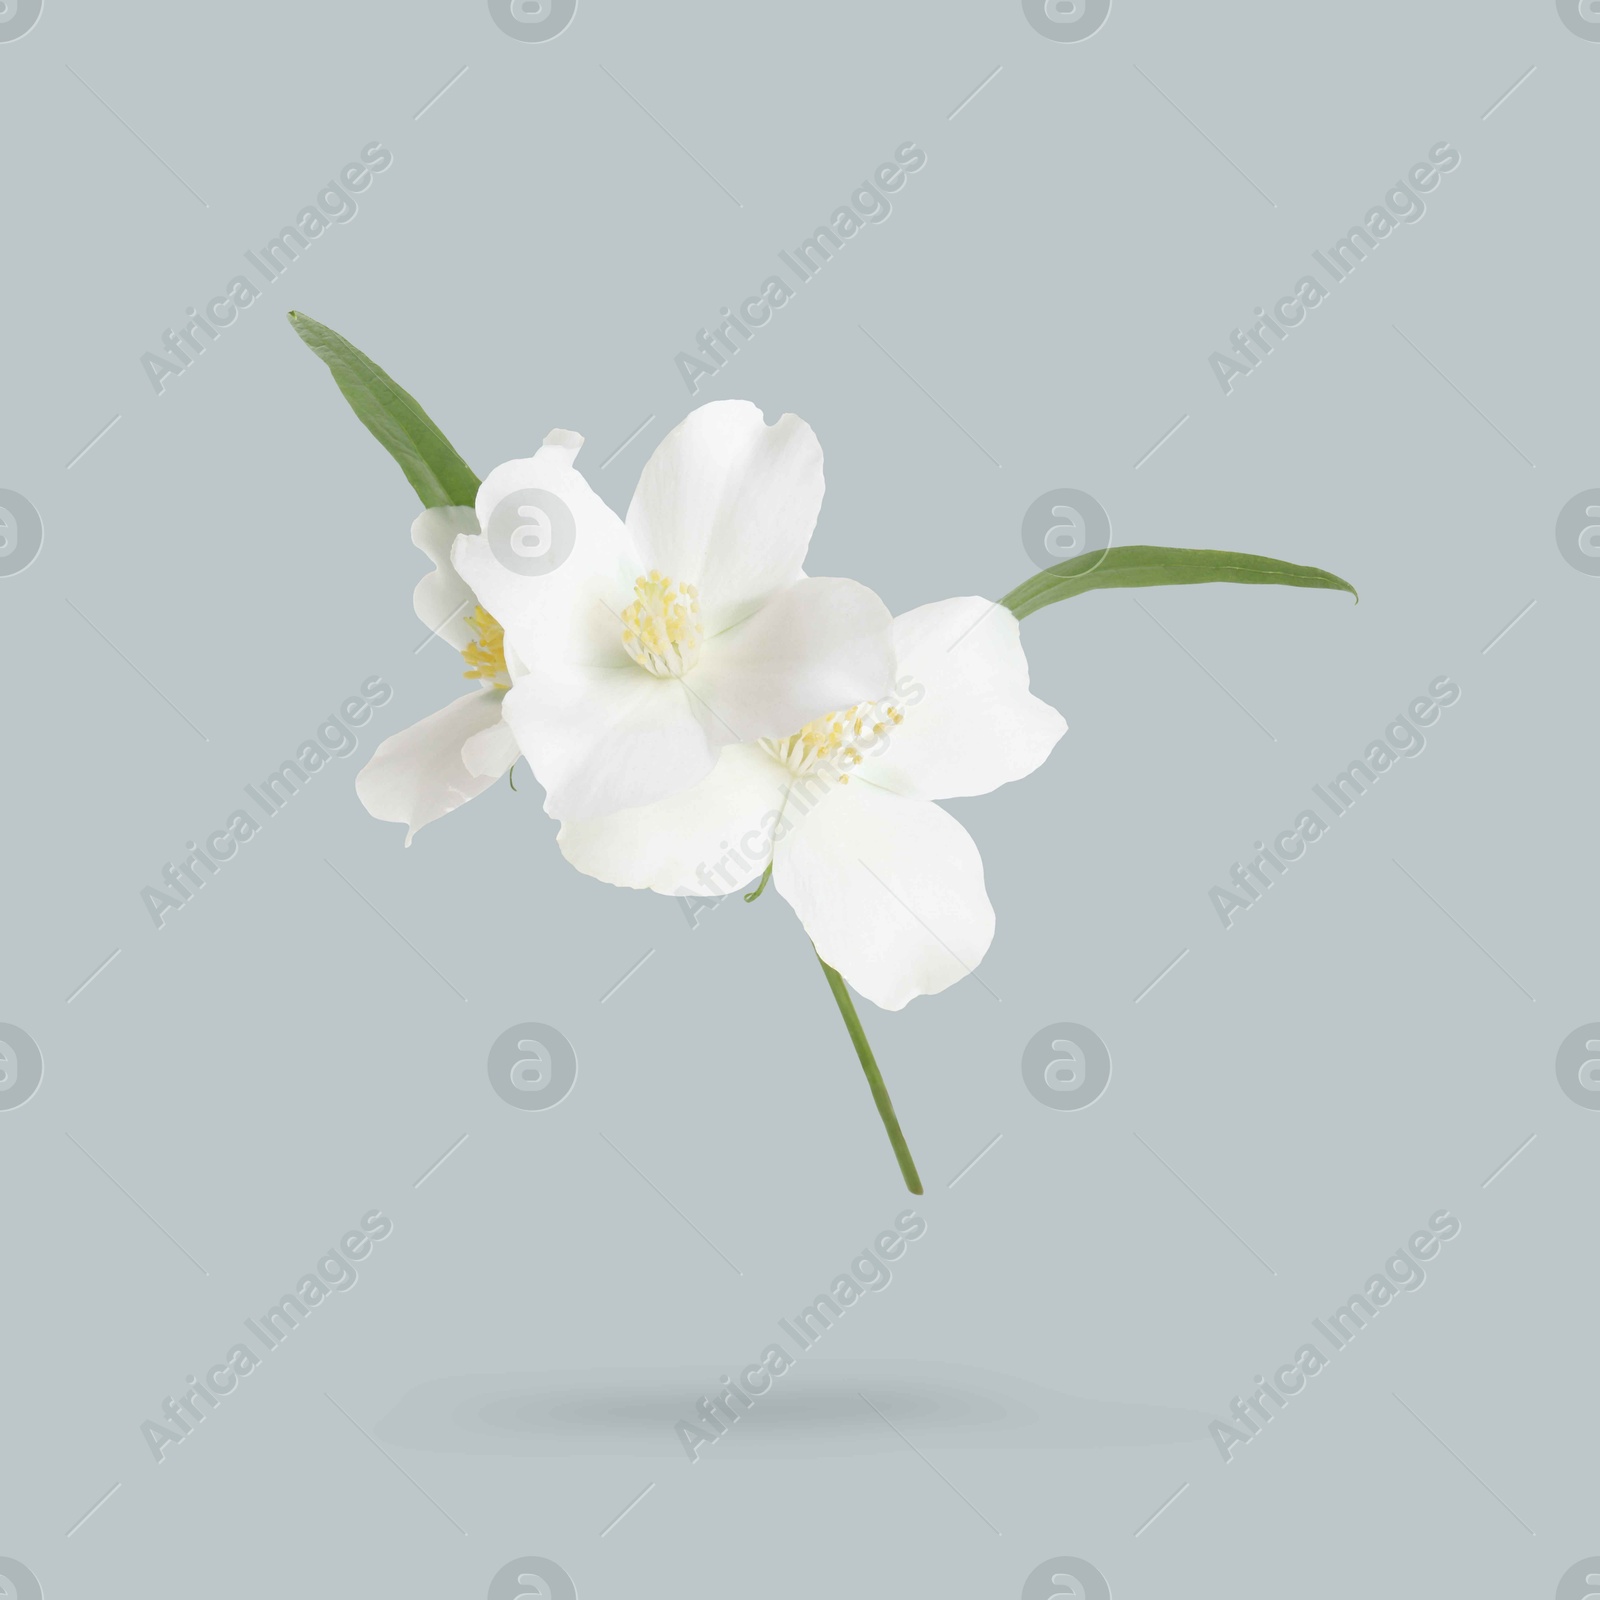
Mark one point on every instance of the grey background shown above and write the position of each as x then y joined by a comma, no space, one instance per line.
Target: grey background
1345,1060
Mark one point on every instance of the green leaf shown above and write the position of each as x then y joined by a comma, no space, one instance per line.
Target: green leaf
1145,566
395,420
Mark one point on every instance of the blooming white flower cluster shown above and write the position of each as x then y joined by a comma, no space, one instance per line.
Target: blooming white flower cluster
675,680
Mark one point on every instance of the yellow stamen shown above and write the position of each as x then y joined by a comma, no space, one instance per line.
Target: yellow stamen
486,655
659,631
830,741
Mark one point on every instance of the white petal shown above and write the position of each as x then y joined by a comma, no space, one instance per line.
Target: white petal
890,890
821,645
419,774
492,753
552,562
562,443
728,504
970,722
443,599
604,739
708,840
581,626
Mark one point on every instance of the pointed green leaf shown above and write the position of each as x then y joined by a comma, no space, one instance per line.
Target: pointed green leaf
428,459
1144,566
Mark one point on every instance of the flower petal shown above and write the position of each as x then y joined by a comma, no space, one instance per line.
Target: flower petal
492,753
728,504
419,774
708,840
890,890
552,562
443,598
819,646
974,725
602,739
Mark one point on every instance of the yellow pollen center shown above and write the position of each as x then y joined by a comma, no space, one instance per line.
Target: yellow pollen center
486,655
662,629
839,741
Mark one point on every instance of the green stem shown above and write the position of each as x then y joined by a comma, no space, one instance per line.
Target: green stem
880,1094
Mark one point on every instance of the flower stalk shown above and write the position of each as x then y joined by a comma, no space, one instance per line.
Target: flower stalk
880,1093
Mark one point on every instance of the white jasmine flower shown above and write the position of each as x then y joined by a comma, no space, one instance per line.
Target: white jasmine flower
645,647
447,758
888,884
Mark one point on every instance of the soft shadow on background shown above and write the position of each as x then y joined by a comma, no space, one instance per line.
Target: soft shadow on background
825,1408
